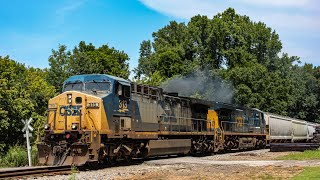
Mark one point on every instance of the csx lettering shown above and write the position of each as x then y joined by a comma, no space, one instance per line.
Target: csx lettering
70,110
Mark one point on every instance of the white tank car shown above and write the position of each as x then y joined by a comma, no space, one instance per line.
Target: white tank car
286,129
311,129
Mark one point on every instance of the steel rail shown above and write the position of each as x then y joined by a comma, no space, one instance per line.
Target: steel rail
34,171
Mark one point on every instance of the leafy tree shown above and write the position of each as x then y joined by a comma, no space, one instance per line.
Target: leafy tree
59,66
168,46
146,64
227,40
15,103
238,50
24,93
86,59
305,93
40,92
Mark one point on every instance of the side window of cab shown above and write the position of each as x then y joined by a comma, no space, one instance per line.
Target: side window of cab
126,91
123,90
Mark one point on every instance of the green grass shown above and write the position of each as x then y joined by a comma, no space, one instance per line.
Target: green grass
267,177
306,155
309,173
74,171
17,156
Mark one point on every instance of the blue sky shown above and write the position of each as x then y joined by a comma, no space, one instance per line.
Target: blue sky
30,29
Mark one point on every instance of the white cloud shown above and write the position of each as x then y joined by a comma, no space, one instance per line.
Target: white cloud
189,8
278,13
288,21
279,3
181,8
71,6
270,10
66,9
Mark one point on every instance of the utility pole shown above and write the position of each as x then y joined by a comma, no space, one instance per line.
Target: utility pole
28,128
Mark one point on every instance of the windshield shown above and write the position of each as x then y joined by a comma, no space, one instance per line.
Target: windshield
97,86
73,87
90,87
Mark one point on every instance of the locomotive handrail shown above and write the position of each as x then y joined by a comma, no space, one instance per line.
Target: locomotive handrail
169,120
242,125
184,117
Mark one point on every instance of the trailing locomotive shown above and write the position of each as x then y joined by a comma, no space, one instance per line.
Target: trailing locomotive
237,127
102,118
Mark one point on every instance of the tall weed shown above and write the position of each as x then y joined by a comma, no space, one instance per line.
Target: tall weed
18,156
15,157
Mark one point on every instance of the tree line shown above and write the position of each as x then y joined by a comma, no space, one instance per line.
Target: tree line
237,50
229,46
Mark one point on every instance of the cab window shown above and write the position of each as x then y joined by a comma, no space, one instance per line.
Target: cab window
123,90
97,86
77,86
126,91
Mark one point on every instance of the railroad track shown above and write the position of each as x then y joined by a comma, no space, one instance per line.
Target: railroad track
34,171
282,147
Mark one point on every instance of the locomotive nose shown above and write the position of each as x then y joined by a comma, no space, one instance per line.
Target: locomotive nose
72,119
69,111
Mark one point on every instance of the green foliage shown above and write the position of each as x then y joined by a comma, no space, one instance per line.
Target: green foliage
24,93
228,39
15,157
306,155
155,79
86,59
305,93
240,51
308,173
34,156
18,156
74,171
58,70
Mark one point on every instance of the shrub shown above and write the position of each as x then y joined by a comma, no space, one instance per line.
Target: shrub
34,156
16,156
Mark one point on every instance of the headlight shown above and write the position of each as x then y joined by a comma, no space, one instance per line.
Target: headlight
74,127
47,126
69,98
92,105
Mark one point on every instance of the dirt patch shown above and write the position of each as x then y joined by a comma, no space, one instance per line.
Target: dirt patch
255,155
219,172
260,164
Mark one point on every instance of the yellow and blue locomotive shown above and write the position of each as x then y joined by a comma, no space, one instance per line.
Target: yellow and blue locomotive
102,118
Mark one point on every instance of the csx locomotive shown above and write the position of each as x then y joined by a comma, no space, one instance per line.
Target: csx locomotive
102,118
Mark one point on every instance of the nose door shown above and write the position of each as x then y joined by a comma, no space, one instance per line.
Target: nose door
61,118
